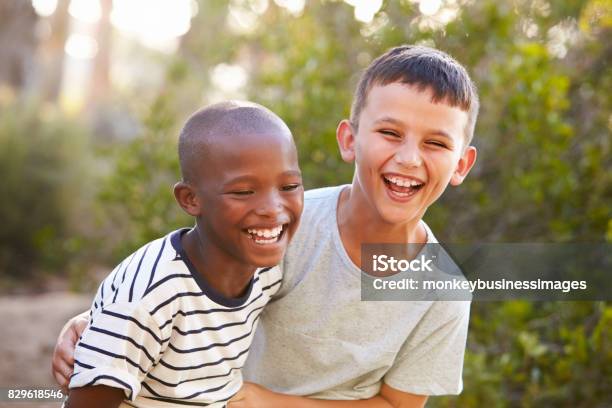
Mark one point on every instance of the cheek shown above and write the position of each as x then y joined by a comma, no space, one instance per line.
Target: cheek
231,212
443,166
295,205
372,158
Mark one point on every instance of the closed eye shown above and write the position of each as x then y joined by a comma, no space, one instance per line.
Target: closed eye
436,143
242,192
391,133
290,187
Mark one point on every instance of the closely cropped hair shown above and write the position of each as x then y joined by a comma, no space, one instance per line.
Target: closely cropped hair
426,68
229,119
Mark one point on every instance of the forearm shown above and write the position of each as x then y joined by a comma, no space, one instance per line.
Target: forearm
255,396
284,401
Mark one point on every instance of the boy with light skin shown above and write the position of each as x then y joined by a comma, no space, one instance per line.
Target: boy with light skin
318,344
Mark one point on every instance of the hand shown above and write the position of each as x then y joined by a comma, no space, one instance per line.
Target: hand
63,355
254,396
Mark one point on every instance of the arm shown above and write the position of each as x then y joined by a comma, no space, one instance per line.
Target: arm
119,361
99,396
255,396
63,355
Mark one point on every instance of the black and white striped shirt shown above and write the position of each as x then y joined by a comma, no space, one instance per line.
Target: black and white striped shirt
161,333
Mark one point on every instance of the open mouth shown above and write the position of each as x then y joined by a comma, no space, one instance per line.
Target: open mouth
402,187
267,236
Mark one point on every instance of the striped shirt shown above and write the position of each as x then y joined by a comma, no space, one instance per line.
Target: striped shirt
162,334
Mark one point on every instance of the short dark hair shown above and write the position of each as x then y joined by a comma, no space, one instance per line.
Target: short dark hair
426,68
224,119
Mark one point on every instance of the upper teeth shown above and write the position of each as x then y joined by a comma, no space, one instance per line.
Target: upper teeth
403,182
267,233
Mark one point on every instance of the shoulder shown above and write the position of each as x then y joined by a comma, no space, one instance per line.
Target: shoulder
319,214
319,210
269,279
323,193
319,204
444,311
431,238
146,273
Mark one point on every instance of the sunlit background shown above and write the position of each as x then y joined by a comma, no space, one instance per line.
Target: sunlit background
93,94
158,25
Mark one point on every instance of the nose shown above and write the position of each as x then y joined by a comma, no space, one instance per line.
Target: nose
270,204
408,154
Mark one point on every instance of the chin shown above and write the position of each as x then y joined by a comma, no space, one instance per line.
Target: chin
266,263
397,216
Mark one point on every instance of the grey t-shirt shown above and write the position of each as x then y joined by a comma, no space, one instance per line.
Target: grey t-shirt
317,338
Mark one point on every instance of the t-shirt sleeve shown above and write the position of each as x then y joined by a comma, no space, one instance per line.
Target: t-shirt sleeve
271,280
120,345
431,360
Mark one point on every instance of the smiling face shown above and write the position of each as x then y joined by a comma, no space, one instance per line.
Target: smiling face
249,197
407,149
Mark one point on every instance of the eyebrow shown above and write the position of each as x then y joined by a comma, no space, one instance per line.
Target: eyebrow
438,132
435,132
388,119
295,173
248,178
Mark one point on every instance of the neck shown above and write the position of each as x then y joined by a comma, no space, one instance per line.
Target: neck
222,272
368,227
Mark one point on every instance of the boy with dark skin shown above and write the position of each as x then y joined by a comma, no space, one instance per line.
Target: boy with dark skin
242,184
318,345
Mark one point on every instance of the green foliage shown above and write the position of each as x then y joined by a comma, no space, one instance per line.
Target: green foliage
42,161
308,83
546,354
137,198
543,172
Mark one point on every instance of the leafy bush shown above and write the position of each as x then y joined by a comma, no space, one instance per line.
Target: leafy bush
42,166
547,354
136,200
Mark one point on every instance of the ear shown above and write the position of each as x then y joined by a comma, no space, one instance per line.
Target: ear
346,141
465,164
188,200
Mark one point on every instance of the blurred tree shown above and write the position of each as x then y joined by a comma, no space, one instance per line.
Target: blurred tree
42,160
543,174
17,43
137,197
100,86
52,52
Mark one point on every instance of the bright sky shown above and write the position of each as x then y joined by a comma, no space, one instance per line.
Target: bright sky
158,24
155,23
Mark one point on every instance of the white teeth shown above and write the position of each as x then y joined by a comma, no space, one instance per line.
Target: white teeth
266,241
267,233
402,182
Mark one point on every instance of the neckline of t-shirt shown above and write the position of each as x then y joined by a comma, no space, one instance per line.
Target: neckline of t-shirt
338,240
201,281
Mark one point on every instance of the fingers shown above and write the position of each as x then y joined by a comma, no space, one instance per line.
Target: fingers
62,363
61,372
63,354
80,324
61,381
